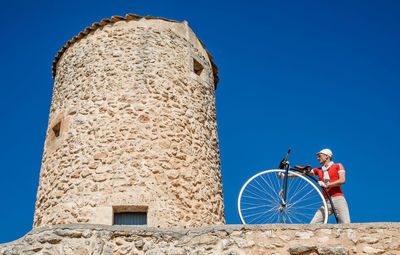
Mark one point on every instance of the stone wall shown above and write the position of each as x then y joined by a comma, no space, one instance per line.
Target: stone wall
82,239
132,127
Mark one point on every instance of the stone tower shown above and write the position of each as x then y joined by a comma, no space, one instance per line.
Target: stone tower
132,128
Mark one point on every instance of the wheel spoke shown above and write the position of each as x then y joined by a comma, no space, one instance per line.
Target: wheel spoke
299,190
308,205
258,197
262,191
297,219
254,207
272,189
260,214
305,195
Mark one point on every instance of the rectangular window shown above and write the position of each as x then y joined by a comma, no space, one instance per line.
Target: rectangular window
130,218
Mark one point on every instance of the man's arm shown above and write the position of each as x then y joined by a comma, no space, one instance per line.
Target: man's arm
340,181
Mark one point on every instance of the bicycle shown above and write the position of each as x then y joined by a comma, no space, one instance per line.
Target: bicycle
266,199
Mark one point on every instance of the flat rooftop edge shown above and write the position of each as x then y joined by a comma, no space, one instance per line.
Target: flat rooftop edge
227,228
125,230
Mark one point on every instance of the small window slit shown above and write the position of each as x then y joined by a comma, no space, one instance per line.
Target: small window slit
56,129
197,67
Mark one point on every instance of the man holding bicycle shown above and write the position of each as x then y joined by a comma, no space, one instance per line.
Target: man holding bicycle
331,176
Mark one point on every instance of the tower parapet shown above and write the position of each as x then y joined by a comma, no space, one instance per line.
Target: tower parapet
132,128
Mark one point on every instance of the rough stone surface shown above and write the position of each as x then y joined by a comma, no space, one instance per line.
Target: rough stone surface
223,239
302,249
371,250
304,235
132,127
336,250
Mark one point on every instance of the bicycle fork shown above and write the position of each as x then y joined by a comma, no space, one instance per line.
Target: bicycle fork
283,193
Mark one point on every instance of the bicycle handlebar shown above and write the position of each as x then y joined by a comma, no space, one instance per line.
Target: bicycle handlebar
287,155
283,164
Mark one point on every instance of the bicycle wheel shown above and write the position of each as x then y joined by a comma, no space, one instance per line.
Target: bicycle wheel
260,201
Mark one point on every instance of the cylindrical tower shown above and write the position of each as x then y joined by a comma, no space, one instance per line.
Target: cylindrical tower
132,128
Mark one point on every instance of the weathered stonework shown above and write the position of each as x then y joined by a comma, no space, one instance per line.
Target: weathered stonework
378,238
132,127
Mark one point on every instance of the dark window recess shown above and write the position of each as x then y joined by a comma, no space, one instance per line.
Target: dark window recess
197,67
130,218
56,129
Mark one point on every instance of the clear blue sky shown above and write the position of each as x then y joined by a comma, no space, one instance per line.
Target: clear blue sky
300,74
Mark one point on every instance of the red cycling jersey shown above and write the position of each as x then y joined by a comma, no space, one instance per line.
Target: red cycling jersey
333,172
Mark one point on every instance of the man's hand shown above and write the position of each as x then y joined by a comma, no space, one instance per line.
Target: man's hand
281,175
307,168
282,164
322,184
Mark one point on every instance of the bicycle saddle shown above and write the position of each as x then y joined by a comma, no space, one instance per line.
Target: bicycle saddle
306,168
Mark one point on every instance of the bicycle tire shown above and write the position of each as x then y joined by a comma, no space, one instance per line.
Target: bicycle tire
259,201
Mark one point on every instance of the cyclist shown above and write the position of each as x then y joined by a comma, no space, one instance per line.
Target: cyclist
331,176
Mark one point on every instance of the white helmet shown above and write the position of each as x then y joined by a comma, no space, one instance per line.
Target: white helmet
327,152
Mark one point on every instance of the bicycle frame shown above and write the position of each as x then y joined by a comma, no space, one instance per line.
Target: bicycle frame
287,167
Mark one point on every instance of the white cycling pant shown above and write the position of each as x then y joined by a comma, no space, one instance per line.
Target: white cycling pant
341,208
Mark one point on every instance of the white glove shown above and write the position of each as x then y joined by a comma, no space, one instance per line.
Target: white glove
281,175
322,184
